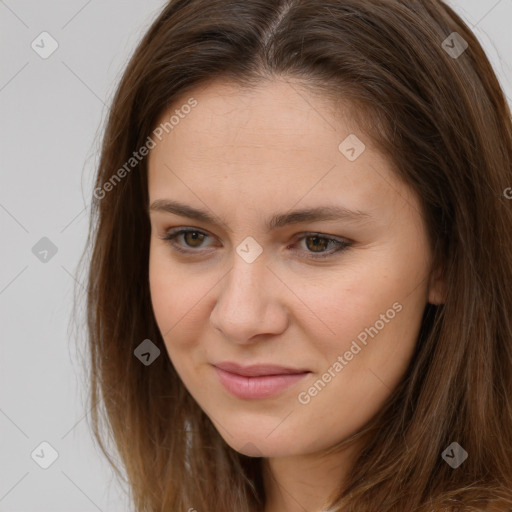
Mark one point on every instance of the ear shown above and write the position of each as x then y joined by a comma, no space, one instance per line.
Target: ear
437,288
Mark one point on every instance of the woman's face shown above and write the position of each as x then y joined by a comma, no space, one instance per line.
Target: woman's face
267,278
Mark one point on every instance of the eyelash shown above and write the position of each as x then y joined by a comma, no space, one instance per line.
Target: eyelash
171,235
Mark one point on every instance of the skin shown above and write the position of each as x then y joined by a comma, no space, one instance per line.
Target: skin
244,156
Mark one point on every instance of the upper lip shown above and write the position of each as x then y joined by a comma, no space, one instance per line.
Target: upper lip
258,369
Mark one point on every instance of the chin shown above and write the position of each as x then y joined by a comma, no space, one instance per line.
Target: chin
252,445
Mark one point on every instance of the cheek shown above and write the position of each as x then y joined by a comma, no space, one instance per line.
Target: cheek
347,392
163,290
342,304
372,315
167,286
178,298
170,307
168,296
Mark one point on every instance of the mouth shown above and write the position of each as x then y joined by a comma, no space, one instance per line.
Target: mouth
257,381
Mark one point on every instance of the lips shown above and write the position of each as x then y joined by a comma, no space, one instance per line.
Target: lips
258,369
257,381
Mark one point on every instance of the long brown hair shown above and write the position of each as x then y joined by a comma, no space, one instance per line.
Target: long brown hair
436,110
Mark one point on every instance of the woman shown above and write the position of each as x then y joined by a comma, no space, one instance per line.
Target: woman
299,293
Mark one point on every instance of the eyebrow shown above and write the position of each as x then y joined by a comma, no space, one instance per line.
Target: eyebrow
276,221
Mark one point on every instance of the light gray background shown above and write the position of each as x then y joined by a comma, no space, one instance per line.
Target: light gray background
52,112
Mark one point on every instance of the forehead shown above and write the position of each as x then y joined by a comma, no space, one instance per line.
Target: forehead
275,139
274,115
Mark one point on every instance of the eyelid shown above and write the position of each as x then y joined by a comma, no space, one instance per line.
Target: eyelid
342,243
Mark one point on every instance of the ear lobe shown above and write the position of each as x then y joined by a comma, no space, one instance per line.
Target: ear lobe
437,289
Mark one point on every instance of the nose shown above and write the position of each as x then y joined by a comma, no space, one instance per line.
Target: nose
249,303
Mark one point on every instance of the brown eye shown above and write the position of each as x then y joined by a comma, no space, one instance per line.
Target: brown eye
193,238
318,244
185,238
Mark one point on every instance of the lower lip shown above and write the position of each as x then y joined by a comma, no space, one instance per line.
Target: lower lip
264,386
